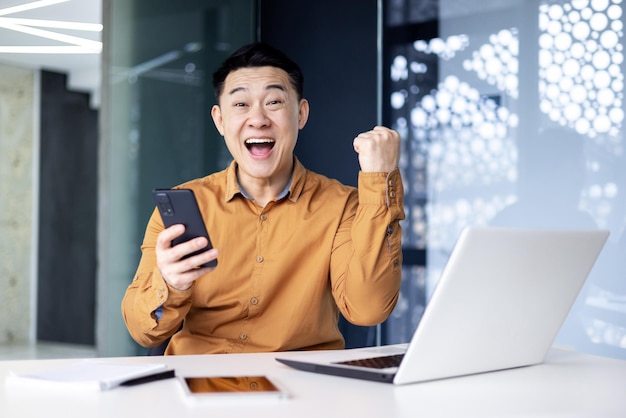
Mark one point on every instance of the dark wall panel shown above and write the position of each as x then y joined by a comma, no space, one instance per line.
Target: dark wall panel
67,220
334,42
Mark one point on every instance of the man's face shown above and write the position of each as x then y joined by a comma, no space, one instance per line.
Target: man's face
259,115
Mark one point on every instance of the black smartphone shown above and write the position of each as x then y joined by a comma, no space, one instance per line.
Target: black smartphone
179,206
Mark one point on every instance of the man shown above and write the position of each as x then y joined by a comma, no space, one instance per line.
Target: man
294,247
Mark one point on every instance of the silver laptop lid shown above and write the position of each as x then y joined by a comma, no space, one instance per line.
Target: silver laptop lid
500,301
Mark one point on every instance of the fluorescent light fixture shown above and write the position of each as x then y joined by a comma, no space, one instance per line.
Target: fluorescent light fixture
58,24
76,44
46,50
75,40
29,6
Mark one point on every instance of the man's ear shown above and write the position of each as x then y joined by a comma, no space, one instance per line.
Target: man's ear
303,113
216,114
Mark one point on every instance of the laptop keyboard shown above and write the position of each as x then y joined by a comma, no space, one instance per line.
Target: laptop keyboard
376,362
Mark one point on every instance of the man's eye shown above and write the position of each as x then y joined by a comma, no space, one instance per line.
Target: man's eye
240,104
274,102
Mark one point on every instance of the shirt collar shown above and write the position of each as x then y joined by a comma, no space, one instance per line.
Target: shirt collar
292,190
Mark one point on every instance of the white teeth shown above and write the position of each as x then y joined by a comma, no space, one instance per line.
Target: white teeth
259,141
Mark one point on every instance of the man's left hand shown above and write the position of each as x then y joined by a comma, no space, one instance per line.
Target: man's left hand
378,149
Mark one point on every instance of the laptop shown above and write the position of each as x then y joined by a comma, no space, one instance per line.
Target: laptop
499,304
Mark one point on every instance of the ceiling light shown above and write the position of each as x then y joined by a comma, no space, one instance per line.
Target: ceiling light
75,44
46,50
58,24
29,6
74,40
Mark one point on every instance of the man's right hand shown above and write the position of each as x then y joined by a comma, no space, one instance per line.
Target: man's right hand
178,272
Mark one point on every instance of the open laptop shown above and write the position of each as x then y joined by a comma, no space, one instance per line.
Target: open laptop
498,304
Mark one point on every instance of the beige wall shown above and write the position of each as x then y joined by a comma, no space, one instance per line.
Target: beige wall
18,109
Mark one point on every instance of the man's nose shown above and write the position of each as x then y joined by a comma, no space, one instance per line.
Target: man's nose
258,117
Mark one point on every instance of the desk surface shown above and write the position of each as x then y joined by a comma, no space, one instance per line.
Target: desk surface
565,385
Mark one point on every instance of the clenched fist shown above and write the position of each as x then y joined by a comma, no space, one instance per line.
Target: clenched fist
378,149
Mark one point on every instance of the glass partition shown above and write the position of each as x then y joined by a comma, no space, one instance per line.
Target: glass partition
512,114
156,126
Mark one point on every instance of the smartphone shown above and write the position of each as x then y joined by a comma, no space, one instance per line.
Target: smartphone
179,206
231,388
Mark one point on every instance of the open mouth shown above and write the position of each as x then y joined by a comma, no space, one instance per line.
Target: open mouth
259,146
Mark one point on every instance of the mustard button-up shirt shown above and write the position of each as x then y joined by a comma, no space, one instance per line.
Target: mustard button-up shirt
285,270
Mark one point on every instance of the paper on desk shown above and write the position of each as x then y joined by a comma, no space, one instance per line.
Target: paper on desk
86,375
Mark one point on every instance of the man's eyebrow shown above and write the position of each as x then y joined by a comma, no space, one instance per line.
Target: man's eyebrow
275,86
268,87
236,90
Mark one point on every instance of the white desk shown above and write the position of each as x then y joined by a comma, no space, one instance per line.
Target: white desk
566,385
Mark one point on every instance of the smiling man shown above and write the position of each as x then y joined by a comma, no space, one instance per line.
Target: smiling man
295,248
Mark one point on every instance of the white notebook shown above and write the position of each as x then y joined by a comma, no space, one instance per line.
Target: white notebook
86,375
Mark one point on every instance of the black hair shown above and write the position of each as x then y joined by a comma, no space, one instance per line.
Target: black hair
258,54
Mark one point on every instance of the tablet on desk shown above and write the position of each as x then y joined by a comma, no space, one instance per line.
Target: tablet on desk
230,388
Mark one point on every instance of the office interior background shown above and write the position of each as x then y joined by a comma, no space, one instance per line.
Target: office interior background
511,113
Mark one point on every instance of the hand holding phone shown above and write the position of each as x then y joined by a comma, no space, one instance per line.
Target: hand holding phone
179,206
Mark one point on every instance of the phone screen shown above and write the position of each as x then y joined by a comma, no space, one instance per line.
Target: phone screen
240,384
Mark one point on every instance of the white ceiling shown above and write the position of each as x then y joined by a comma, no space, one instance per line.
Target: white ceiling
83,69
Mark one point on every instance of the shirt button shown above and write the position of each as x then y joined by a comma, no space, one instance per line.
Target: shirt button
160,294
263,217
392,194
391,183
243,336
254,385
254,301
259,259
